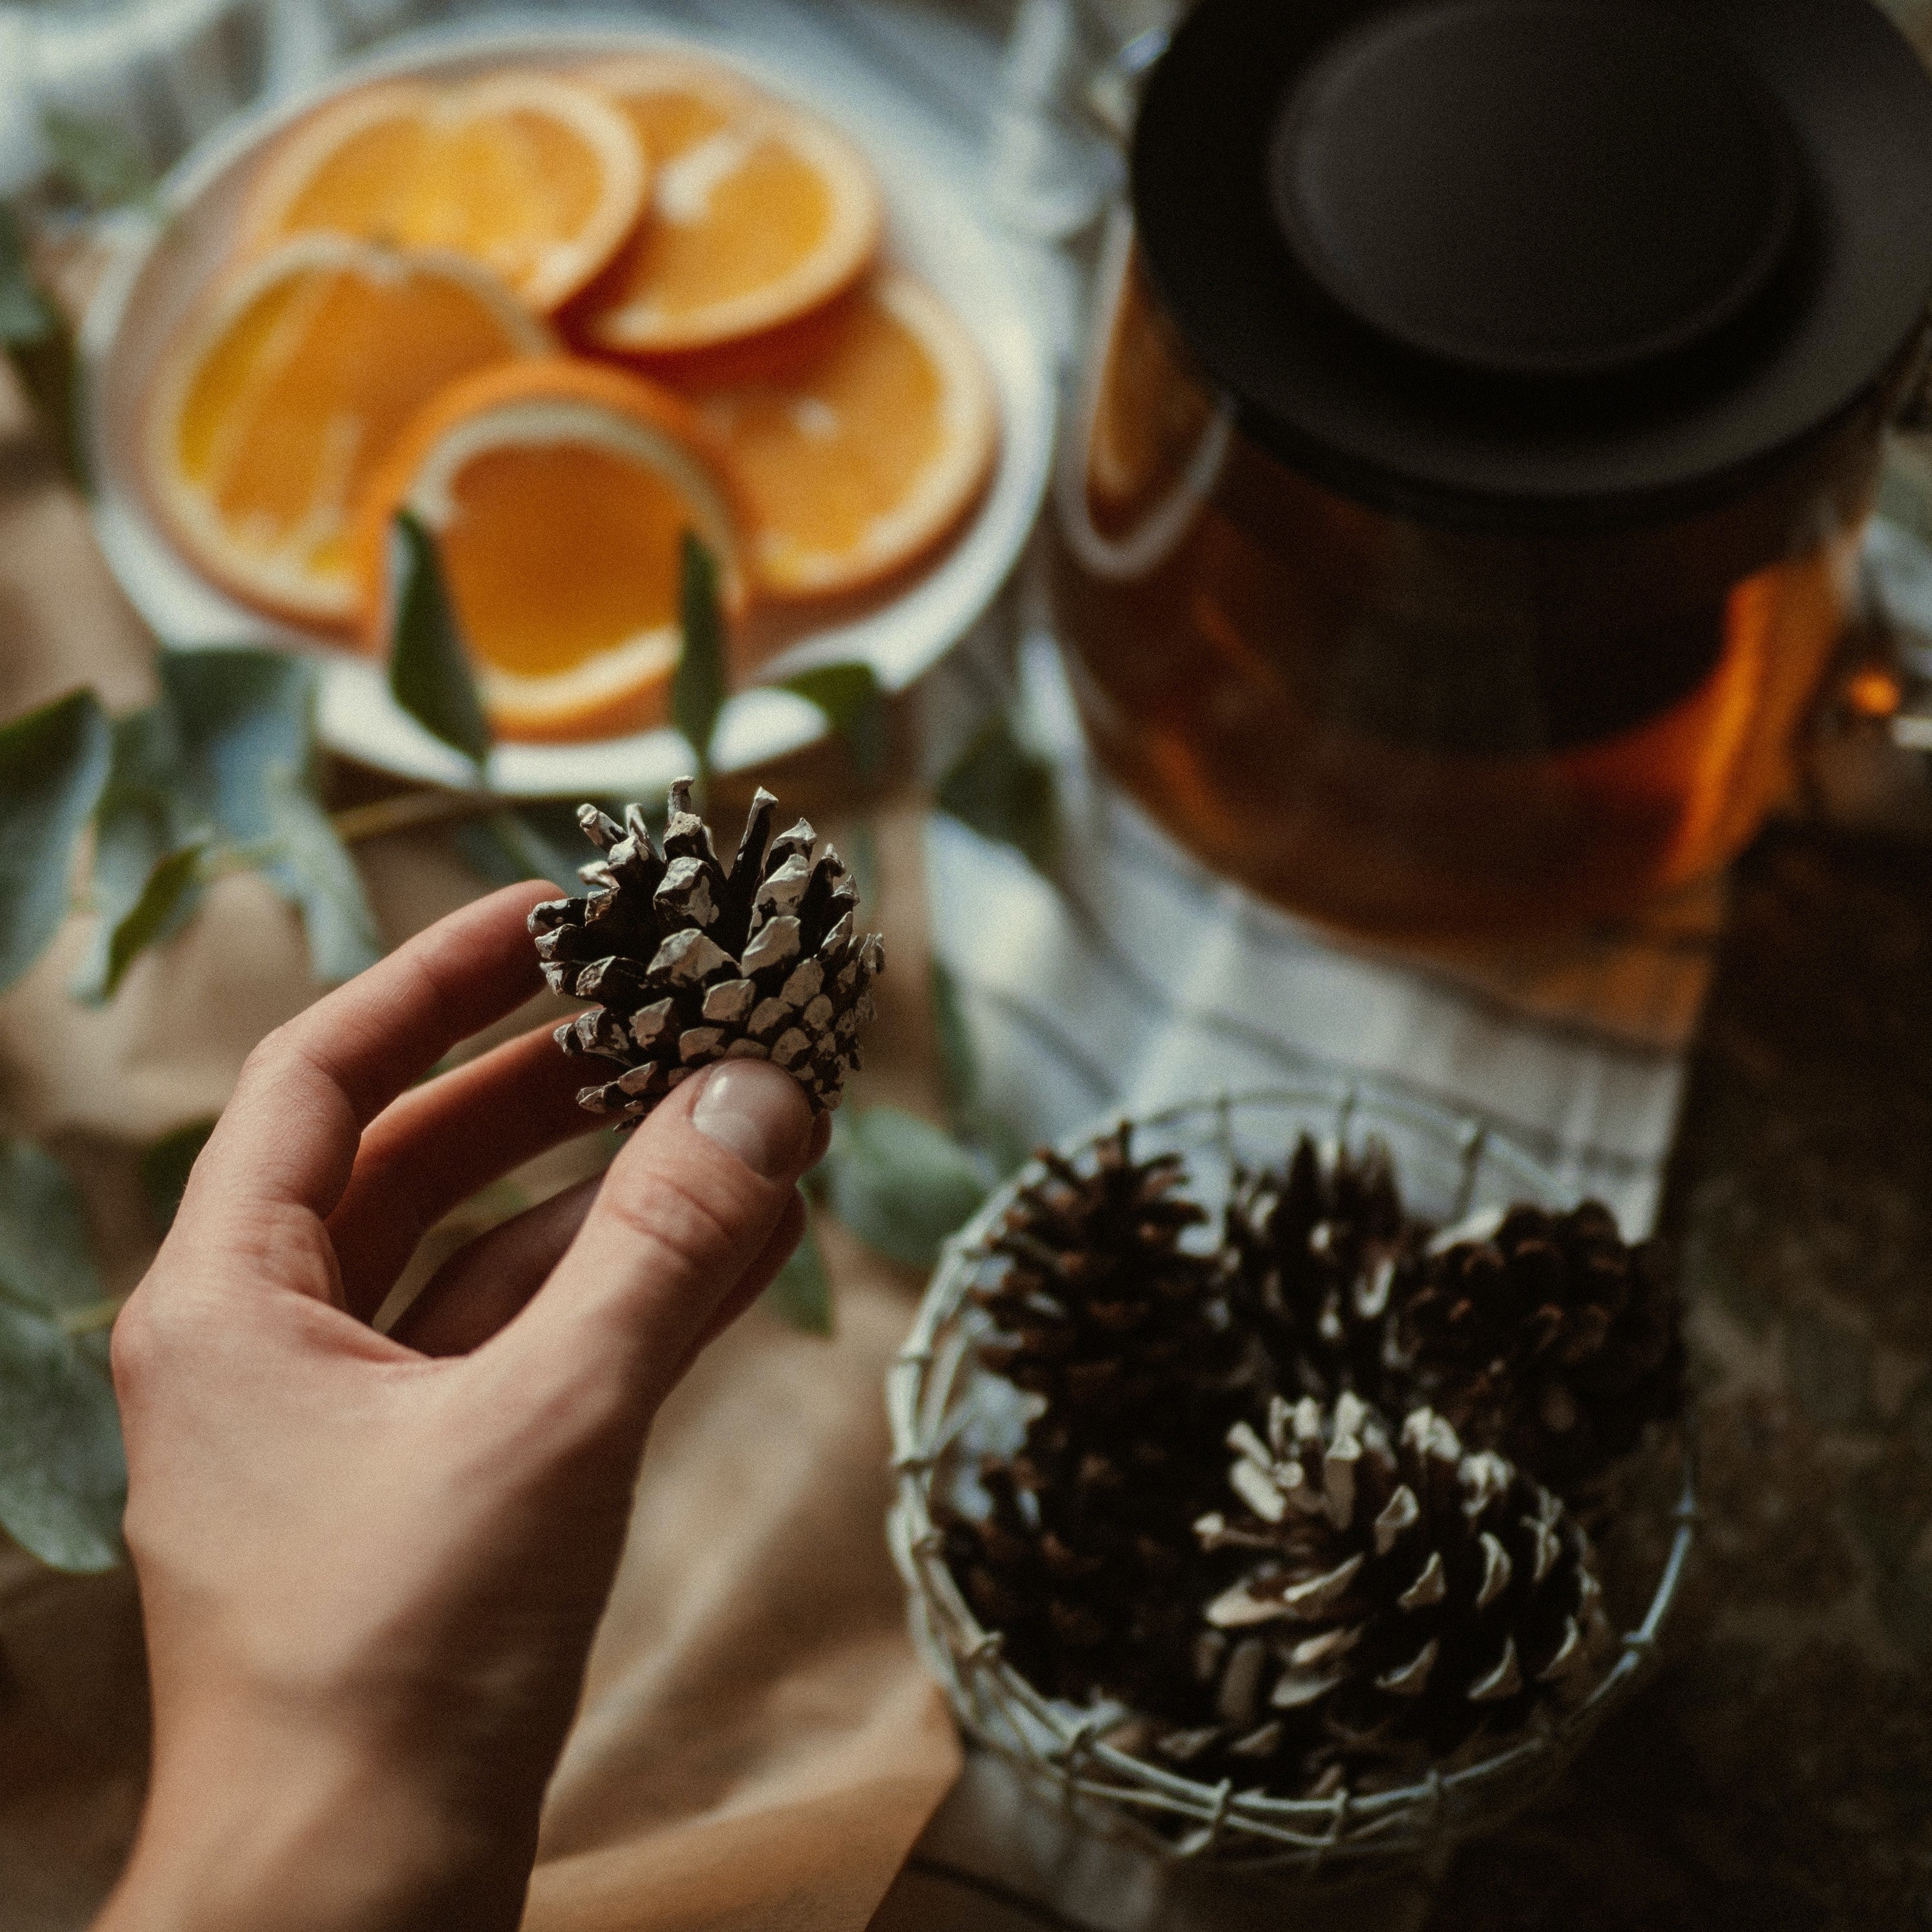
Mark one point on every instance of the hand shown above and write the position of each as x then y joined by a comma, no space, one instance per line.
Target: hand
371,1566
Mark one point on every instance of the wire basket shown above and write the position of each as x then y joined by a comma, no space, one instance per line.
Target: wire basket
946,1412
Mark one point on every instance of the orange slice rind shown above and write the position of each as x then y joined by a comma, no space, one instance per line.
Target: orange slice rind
859,440
537,179
281,396
758,212
559,494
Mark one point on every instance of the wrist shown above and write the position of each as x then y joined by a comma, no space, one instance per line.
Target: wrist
258,1827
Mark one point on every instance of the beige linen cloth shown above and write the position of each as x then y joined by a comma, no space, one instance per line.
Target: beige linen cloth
758,1746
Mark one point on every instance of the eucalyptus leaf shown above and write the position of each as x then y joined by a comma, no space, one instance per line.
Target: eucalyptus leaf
166,1164
140,820
1005,792
801,1291
47,1262
26,315
244,721
315,870
429,675
96,160
698,686
542,841
171,890
993,1137
63,1477
237,716
38,340
959,1059
854,706
53,767
900,1184
861,854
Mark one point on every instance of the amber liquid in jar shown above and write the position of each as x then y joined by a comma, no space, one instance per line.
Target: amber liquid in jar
1419,732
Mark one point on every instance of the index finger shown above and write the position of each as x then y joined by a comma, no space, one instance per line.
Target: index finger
289,1135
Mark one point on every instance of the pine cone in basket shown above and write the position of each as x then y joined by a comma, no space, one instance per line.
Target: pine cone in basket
1401,1597
1314,1246
1549,1339
1088,1561
693,962
1100,1309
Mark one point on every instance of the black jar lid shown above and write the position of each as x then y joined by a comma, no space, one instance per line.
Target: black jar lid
1540,265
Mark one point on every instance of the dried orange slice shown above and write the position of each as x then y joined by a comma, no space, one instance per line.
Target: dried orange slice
282,396
535,177
860,435
758,212
559,494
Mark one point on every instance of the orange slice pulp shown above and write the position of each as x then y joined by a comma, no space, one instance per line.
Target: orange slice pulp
860,435
277,400
757,213
559,494
536,178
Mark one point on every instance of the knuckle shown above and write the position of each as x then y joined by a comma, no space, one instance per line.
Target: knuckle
145,1337
694,1234
271,1054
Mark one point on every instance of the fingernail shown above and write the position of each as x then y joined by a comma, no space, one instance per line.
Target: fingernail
759,1113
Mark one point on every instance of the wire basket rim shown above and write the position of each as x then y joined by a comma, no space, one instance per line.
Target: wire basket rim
1057,1746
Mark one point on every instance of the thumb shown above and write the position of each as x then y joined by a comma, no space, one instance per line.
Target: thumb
685,1209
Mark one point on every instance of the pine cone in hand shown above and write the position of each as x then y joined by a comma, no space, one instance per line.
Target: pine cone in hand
1551,1339
693,963
1314,1247
1088,1561
1400,1597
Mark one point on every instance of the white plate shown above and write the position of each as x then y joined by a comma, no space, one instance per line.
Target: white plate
937,227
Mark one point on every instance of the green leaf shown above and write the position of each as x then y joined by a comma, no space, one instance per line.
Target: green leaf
958,1062
236,716
1005,792
53,767
542,841
245,722
63,1478
141,820
801,1291
96,160
429,669
26,315
316,870
854,706
38,339
697,687
862,860
47,1262
172,888
900,1184
166,1164
994,1139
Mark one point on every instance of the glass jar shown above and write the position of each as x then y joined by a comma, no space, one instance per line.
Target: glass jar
1434,659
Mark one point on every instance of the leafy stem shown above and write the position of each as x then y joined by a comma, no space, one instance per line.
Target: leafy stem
409,810
698,689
